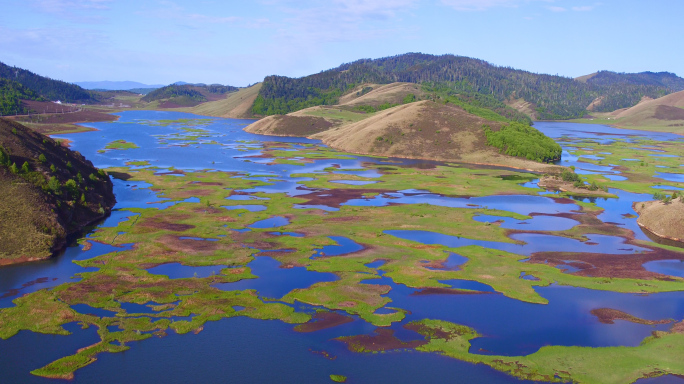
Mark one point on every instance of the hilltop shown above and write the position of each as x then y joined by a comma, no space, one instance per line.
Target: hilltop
550,97
187,95
116,85
48,192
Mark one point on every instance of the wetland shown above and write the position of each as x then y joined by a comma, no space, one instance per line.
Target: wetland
297,262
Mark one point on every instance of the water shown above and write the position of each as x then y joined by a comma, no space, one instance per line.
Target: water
270,351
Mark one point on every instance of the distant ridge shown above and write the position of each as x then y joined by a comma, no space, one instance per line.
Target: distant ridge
551,97
116,85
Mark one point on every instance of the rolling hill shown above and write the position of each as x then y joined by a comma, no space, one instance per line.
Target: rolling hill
421,129
236,105
187,95
551,97
116,85
665,114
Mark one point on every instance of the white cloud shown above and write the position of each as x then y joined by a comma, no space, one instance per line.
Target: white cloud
75,10
585,8
313,23
556,9
483,5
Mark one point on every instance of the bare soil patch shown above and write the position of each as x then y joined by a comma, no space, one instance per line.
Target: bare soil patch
335,197
609,315
323,320
613,266
666,112
300,126
446,291
557,184
167,223
382,340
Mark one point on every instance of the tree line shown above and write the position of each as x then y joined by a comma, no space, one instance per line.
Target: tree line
555,97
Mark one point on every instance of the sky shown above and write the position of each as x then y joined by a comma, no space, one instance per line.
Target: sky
240,42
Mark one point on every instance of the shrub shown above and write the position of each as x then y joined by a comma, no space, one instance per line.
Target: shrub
13,168
410,98
53,185
42,158
521,140
4,157
53,169
93,178
25,168
71,186
593,186
569,176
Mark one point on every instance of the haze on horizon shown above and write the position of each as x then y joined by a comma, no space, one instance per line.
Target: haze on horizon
238,43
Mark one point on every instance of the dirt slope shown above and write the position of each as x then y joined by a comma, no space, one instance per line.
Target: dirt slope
57,194
663,220
236,105
288,125
390,93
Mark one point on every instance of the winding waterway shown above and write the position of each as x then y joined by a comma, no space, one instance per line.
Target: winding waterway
242,349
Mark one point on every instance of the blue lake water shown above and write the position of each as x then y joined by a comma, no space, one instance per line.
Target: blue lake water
270,351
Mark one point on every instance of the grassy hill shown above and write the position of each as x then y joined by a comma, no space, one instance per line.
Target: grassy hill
234,105
553,97
48,192
422,129
664,114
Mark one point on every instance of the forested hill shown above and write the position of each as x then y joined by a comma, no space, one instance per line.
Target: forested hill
11,94
193,92
657,79
48,88
554,97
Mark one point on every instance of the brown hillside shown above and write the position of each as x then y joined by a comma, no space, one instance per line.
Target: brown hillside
663,220
585,78
390,93
288,125
357,92
54,195
661,114
523,106
236,105
424,130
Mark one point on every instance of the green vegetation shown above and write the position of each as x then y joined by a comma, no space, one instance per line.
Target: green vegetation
338,378
121,144
47,197
50,89
478,82
11,94
656,356
171,91
168,235
521,140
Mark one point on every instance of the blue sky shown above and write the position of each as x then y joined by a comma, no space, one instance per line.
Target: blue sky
240,42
